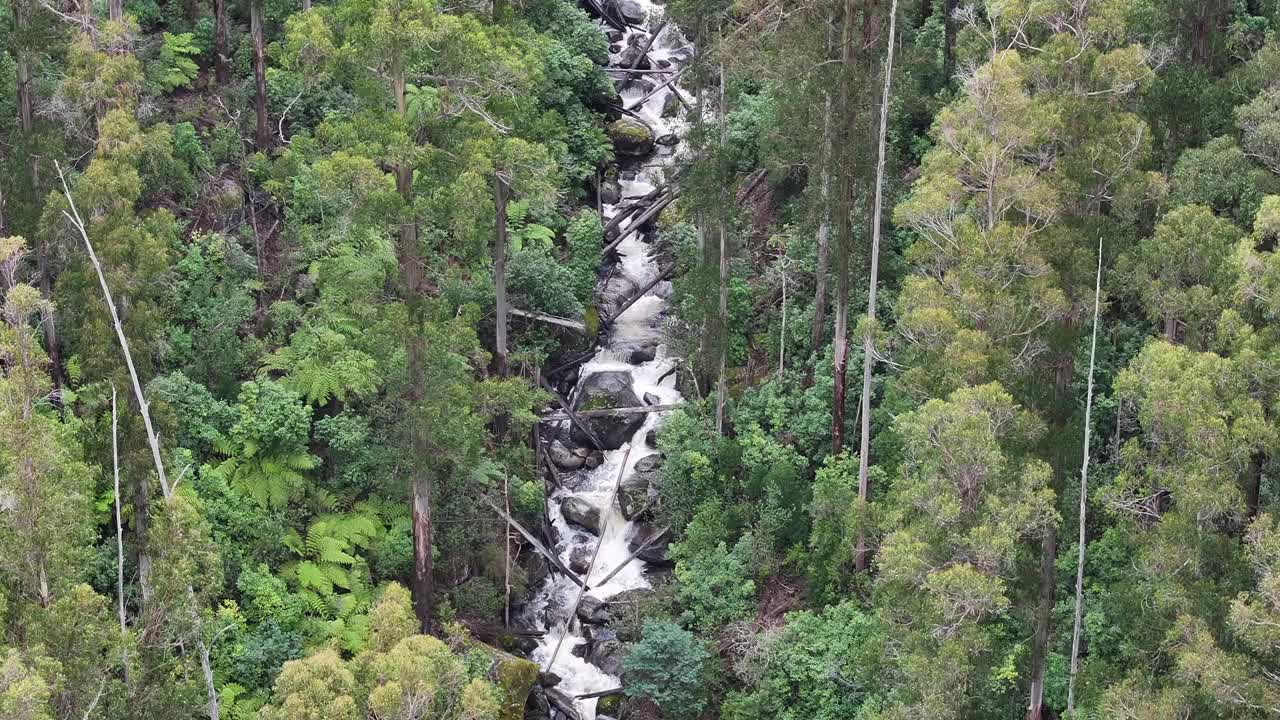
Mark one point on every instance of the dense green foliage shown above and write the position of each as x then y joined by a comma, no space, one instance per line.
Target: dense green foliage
303,270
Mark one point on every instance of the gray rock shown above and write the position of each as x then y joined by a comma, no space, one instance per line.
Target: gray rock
670,106
629,10
649,463
630,137
642,355
592,611
610,191
651,438
651,399
634,495
669,139
562,701
538,701
608,652
611,389
593,461
563,457
580,512
615,49
549,679
634,55
656,553
579,559
615,36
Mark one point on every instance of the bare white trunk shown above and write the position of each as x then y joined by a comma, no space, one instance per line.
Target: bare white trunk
115,472
868,343
1084,495
721,384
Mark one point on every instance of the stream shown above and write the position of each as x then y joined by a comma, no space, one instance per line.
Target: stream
632,355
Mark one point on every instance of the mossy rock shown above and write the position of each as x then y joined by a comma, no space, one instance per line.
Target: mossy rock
630,137
609,705
513,675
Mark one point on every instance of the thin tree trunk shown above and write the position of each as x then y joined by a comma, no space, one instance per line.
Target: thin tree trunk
824,225
306,5
410,260
115,10
1253,484
782,331
221,69
721,384
115,472
500,271
844,208
1084,495
1044,612
949,41
868,340
263,133
152,438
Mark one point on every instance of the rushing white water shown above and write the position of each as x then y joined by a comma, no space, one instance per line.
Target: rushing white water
638,327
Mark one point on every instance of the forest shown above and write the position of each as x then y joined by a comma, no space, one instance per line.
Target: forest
639,359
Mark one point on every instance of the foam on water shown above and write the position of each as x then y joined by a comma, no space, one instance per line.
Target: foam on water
638,326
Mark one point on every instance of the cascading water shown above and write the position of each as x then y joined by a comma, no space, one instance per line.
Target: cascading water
636,329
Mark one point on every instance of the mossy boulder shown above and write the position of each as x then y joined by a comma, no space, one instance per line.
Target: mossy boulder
514,676
609,705
630,137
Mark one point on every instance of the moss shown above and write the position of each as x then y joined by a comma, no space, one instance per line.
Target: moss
515,677
609,705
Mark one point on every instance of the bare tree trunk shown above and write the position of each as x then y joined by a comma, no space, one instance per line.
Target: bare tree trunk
721,384
115,10
1084,495
500,270
949,41
824,225
306,5
844,224
1044,611
221,68
410,261
868,340
262,136
152,438
115,472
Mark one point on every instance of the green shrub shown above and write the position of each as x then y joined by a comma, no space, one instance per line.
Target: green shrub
668,666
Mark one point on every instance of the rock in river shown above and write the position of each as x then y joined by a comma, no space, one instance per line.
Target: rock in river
580,512
610,389
563,457
630,137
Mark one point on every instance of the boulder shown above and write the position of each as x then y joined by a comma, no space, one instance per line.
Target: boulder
656,553
651,438
630,137
642,355
610,389
670,105
593,462
648,463
562,701
608,706
592,611
563,457
535,568
651,399
580,512
514,676
610,191
615,49
537,705
634,495
615,36
631,12
669,139
607,652
549,679
580,559
634,55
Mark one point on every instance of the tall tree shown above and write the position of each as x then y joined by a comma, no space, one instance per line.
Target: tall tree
262,133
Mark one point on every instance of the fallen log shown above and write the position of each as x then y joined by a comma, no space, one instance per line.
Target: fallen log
563,322
599,693
610,412
648,215
537,544
574,361
644,51
604,528
573,417
634,298
625,211
654,91
644,546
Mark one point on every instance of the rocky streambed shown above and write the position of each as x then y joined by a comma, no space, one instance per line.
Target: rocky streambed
580,652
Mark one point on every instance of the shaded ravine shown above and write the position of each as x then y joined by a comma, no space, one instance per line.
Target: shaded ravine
633,346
